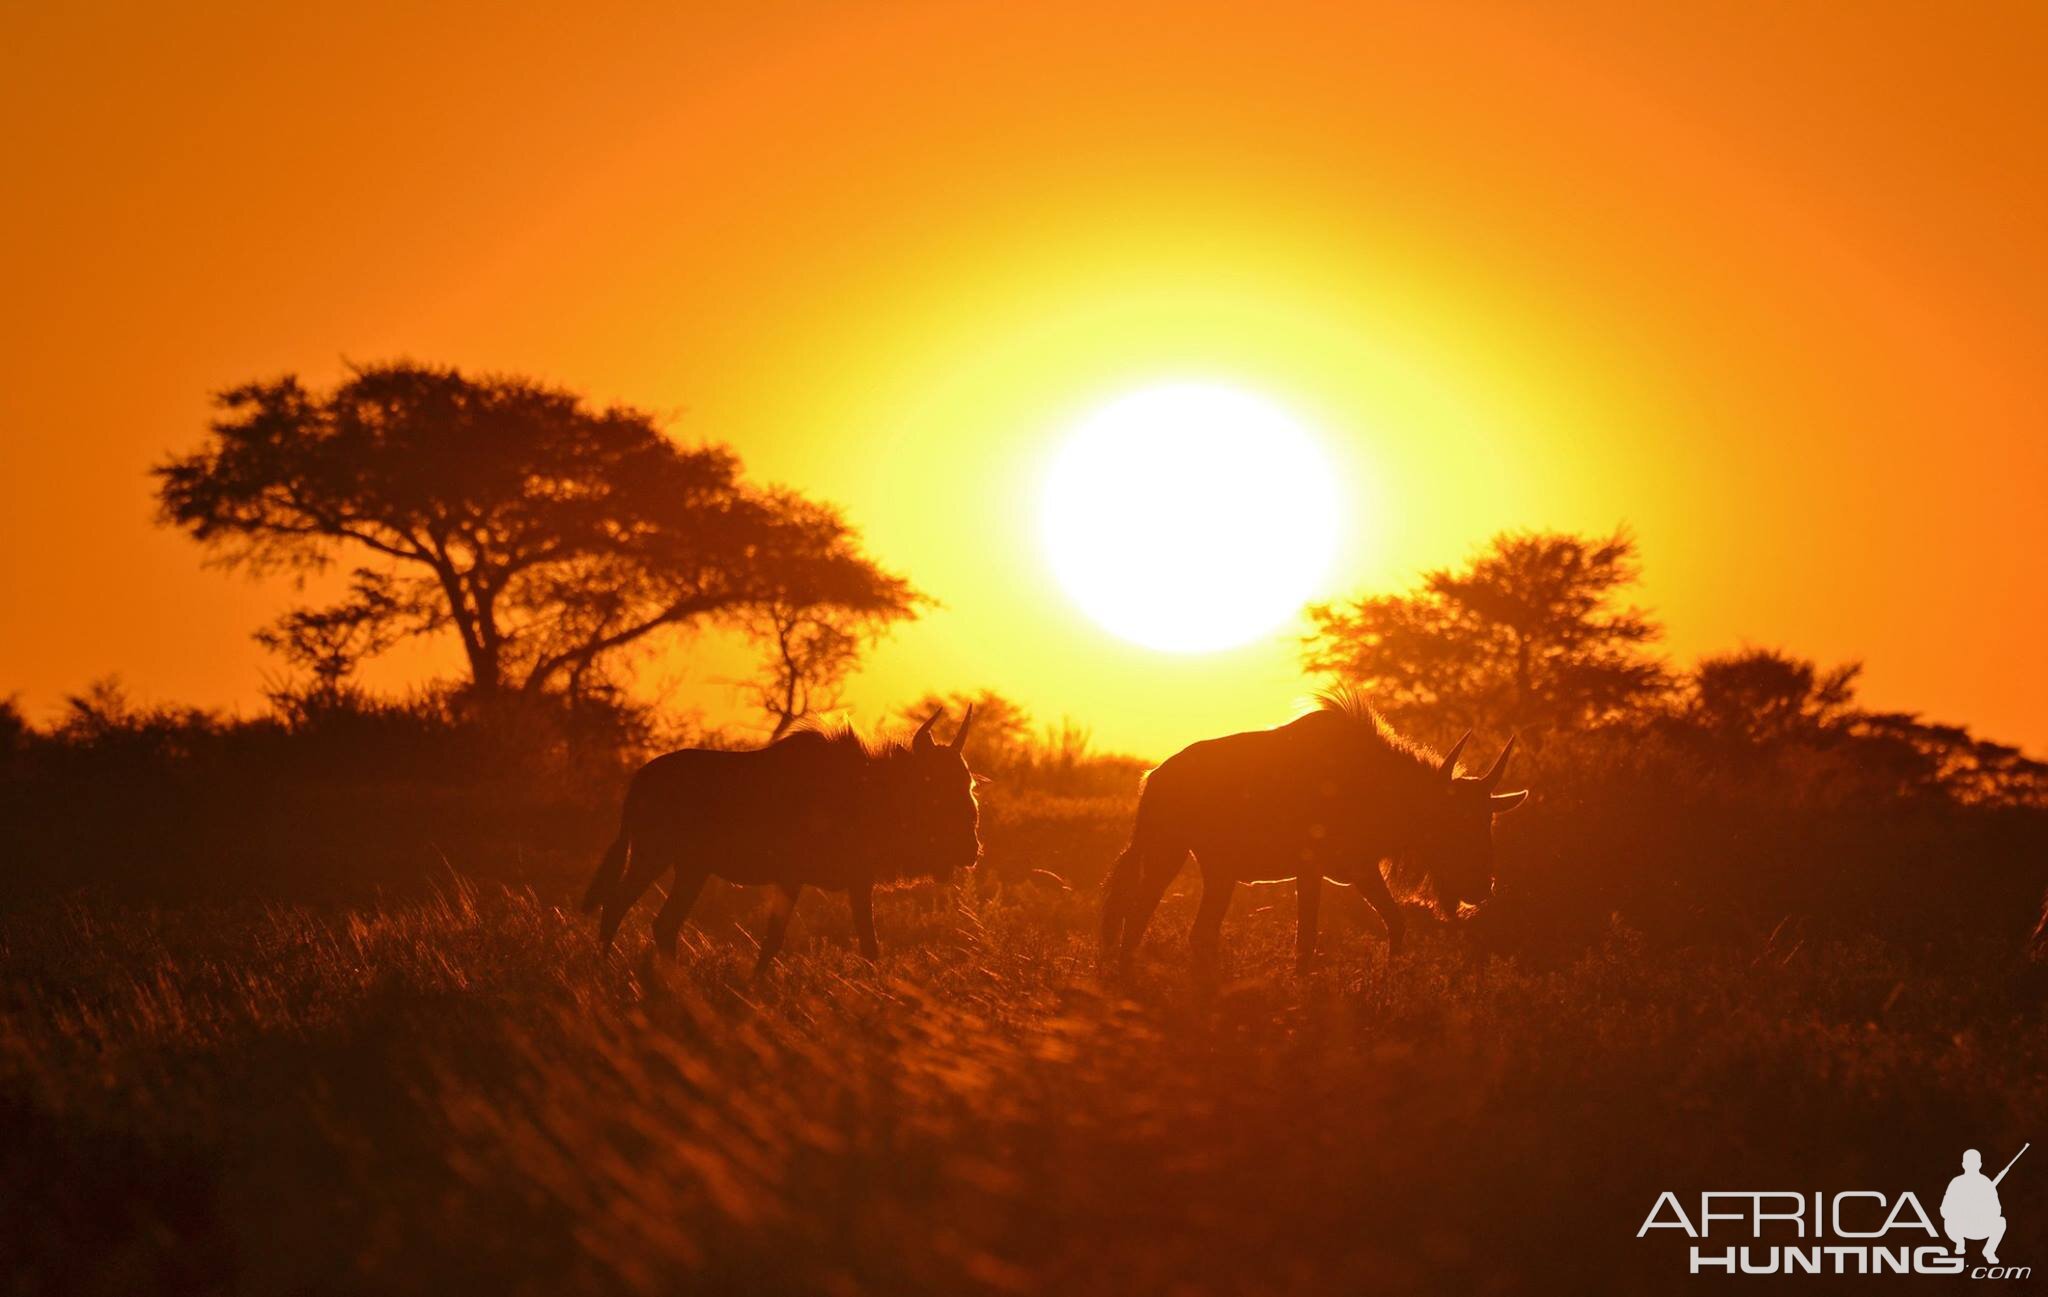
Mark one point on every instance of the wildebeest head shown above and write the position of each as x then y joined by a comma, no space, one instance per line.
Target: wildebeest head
1453,846
935,807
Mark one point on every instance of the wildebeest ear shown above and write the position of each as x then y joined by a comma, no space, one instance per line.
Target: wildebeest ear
1491,779
1450,765
983,781
923,737
1502,803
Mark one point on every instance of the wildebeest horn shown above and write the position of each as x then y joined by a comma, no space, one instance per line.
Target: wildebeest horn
966,723
1491,779
1450,765
923,737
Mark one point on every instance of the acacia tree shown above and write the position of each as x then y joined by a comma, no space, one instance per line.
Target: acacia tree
1528,635
546,534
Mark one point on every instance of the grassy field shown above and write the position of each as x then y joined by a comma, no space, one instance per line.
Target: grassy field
460,1093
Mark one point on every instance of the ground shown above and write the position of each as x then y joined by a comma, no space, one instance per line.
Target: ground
462,1093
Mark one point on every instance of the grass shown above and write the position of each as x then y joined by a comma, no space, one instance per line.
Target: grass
462,1094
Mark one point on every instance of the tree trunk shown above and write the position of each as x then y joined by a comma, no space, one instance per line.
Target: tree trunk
485,674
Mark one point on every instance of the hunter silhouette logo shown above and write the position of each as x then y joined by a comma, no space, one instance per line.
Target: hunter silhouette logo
1970,1210
1854,1231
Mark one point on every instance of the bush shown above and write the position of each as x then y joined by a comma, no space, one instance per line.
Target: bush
340,796
1688,842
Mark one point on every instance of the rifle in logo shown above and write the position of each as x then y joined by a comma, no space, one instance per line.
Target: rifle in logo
2008,1166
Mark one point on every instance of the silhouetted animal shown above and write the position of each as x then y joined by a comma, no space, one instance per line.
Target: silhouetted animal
1330,795
827,810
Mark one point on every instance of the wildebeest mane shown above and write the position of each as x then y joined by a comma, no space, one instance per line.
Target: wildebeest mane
1372,728
1408,761
841,737
838,738
859,755
852,761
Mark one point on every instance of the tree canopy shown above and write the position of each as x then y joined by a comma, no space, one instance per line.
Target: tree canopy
1529,634
1759,703
1760,696
546,534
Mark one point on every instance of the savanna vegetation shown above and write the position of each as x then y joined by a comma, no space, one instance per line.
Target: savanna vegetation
298,1002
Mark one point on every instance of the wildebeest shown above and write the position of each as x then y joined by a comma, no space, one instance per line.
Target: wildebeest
820,809
1331,795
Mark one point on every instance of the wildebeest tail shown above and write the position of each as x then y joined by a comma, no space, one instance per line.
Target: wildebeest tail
609,871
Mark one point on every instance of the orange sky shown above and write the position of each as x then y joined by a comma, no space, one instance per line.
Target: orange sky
1764,281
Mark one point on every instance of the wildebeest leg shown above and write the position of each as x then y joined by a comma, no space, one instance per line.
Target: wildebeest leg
778,926
647,864
668,923
862,896
608,871
1207,937
1373,887
1308,894
1161,868
1126,879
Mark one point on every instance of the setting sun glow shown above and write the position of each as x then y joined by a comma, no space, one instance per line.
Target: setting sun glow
1759,282
1190,517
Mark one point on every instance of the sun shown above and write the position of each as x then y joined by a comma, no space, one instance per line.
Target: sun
1190,517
